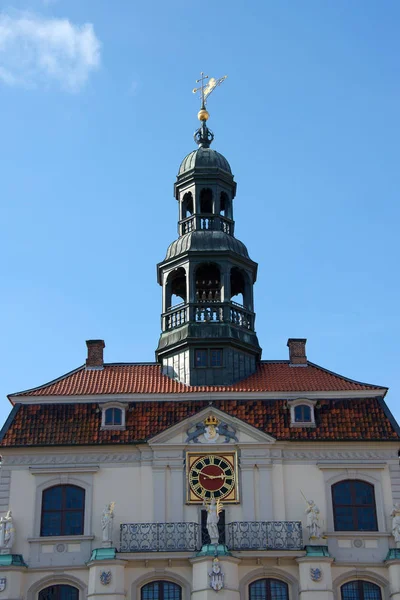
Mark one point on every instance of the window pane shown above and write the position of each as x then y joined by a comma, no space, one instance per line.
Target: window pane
200,358
216,358
258,590
171,591
51,523
363,493
371,591
350,591
74,497
73,523
109,416
279,590
52,498
150,592
341,493
366,519
117,416
67,592
344,518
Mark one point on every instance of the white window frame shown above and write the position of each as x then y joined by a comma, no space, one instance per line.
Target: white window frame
122,407
302,402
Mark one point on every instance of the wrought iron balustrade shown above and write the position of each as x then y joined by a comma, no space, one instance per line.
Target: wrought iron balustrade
159,537
265,535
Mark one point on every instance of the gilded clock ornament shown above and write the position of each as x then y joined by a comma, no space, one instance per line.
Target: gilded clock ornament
212,476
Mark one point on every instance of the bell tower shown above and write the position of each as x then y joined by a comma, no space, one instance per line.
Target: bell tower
207,277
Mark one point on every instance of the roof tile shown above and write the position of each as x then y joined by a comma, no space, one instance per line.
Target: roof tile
270,376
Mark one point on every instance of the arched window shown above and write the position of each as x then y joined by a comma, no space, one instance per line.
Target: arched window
113,416
63,510
161,590
354,506
360,590
59,592
302,413
268,589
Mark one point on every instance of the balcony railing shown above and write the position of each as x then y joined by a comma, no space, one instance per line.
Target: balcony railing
186,537
160,537
265,535
208,222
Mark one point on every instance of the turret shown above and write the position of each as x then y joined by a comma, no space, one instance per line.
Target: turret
208,321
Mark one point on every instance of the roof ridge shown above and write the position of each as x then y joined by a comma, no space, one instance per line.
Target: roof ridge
370,385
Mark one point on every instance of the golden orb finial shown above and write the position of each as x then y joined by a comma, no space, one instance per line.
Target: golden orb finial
203,115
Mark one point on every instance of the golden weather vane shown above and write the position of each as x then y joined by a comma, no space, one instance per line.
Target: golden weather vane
205,91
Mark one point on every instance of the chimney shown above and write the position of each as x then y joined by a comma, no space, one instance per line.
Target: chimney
95,354
297,352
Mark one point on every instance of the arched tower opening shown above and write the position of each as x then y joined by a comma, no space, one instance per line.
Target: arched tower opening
208,283
175,289
187,205
206,201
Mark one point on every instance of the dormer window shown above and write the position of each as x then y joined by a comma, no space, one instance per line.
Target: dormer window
302,413
113,415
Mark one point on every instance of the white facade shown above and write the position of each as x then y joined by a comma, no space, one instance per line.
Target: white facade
148,484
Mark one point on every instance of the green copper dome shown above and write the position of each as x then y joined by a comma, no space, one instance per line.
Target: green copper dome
204,158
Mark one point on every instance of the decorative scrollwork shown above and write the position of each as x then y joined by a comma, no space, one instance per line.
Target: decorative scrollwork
160,537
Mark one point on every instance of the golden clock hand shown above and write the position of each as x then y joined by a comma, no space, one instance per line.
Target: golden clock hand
213,476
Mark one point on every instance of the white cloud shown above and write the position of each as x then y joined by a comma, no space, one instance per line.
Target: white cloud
38,51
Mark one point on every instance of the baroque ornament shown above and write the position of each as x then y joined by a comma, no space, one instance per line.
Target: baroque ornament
3,583
105,577
210,431
216,576
315,574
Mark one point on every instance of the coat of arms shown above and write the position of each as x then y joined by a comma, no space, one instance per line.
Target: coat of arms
216,576
315,574
3,583
105,577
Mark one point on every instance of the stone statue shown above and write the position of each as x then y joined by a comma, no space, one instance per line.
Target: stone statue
312,512
107,518
213,509
7,533
395,514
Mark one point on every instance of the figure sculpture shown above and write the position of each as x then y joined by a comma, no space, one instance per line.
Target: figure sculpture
312,512
7,533
107,522
213,509
395,514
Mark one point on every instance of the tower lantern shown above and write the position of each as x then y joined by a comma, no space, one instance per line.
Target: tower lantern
208,321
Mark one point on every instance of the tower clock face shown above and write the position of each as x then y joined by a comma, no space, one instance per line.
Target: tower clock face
212,476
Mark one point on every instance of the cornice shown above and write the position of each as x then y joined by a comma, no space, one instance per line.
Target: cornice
181,397
70,461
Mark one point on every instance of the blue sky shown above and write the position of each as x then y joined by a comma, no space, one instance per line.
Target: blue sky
96,115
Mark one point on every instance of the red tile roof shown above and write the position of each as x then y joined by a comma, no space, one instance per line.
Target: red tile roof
80,423
271,376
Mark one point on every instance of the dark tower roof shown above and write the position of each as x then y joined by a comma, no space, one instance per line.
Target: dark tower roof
204,158
206,241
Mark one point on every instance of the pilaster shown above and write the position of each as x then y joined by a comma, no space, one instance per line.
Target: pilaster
14,584
393,566
315,578
106,587
201,580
